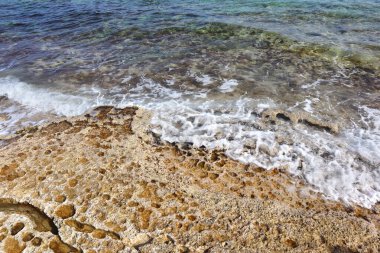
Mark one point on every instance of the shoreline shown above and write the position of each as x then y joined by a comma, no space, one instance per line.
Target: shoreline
108,186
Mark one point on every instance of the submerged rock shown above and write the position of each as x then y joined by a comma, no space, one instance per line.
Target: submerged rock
300,117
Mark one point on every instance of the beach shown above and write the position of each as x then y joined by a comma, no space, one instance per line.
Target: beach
102,182
189,126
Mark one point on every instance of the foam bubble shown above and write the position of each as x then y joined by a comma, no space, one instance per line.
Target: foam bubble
228,85
204,79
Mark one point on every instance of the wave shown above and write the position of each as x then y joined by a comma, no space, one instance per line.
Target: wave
43,99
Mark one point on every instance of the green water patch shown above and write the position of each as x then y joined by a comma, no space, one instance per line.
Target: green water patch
272,40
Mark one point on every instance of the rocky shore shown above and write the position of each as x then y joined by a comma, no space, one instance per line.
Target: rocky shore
102,182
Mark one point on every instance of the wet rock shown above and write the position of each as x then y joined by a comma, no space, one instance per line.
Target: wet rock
299,117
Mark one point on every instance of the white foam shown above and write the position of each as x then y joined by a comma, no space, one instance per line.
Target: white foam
126,79
18,118
42,99
325,161
312,85
366,141
150,89
308,105
72,103
228,85
170,82
263,106
204,79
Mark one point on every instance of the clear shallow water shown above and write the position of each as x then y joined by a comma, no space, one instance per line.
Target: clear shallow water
214,73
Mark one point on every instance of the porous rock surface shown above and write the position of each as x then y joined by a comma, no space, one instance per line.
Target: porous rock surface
102,183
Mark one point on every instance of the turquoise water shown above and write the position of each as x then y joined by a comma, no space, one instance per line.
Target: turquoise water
289,84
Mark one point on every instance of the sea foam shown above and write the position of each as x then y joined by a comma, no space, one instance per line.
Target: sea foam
43,99
330,163
228,85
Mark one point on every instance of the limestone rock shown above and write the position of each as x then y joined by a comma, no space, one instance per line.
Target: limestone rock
85,182
57,246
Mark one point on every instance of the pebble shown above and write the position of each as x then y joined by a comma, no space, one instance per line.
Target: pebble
140,240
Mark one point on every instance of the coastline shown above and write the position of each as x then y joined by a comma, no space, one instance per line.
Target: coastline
101,182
